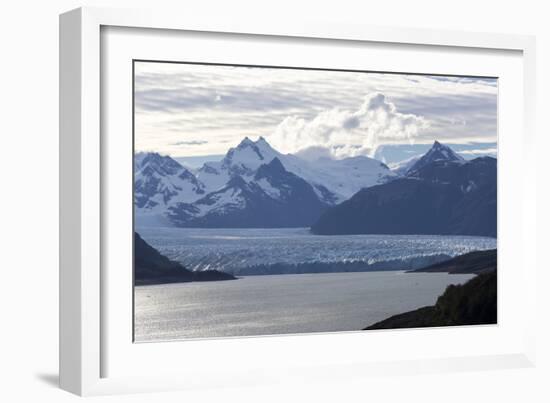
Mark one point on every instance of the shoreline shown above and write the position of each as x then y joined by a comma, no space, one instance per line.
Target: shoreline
472,303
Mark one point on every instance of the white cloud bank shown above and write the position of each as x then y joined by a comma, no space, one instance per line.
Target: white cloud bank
481,151
213,107
339,133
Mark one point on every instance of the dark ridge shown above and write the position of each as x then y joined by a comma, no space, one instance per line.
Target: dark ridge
151,267
473,303
441,198
470,263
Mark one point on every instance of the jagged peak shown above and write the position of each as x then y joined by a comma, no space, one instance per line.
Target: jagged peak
437,153
275,166
245,142
445,151
262,140
153,158
249,154
437,146
276,163
147,154
236,181
265,147
151,155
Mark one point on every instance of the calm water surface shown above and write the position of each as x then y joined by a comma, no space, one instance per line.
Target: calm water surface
279,304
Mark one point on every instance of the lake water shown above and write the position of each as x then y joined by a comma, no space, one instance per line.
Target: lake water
296,250
282,304
358,280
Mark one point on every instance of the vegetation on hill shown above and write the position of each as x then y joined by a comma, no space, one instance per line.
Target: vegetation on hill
472,303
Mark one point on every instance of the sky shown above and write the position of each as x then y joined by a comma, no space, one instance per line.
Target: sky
197,112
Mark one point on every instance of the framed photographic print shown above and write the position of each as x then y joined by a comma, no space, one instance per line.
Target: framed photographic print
320,219
236,200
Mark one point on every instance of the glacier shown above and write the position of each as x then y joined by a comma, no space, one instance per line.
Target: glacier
296,250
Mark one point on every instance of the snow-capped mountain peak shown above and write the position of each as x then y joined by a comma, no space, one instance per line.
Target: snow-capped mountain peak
241,160
264,147
160,181
156,163
245,142
252,173
333,180
438,152
248,156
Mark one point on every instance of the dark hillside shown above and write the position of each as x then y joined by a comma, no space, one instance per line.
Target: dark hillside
474,262
151,267
472,303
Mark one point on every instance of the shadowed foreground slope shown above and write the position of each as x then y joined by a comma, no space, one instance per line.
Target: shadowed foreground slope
150,267
476,262
472,303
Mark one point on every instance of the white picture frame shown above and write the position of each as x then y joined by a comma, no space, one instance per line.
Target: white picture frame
86,346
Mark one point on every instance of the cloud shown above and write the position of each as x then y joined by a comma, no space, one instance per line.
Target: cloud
348,133
481,151
222,104
190,143
314,153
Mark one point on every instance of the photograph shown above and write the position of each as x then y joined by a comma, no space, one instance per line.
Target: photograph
275,200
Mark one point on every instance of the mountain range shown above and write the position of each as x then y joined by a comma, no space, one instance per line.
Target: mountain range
440,193
253,186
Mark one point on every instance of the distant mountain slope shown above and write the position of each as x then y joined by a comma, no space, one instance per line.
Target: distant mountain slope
332,180
273,198
159,182
253,185
343,177
472,263
402,167
443,196
150,267
472,303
